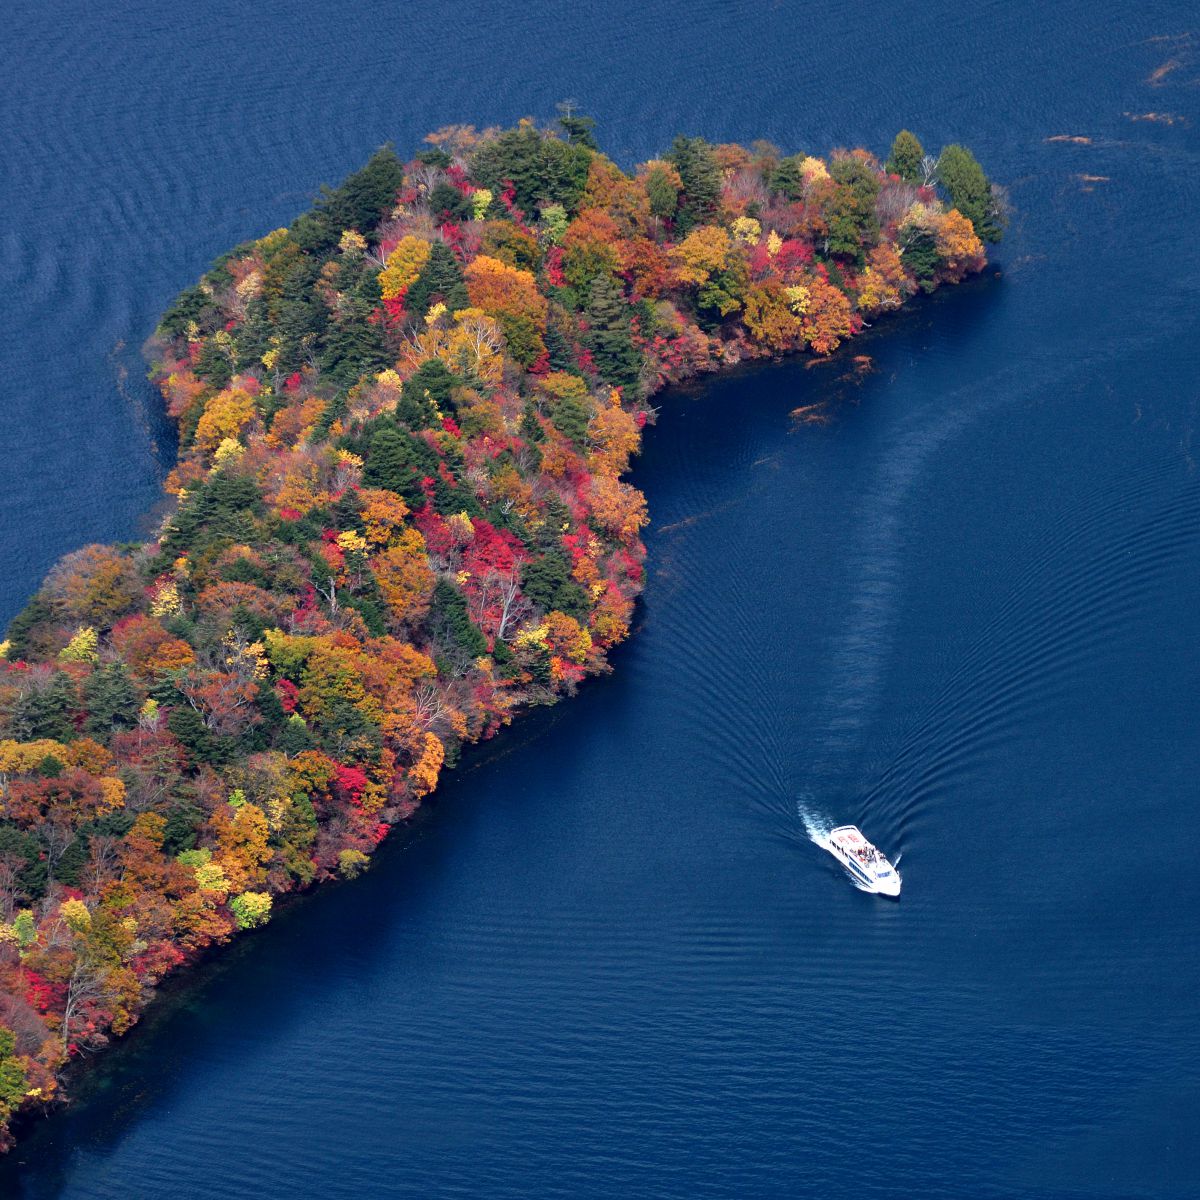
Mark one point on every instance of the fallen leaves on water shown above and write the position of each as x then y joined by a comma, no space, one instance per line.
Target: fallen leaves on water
1161,118
812,414
1160,73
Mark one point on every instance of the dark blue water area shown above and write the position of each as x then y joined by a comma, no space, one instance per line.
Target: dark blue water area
958,609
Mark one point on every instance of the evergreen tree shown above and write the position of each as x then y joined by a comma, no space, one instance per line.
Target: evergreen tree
452,627
110,700
434,156
393,462
354,346
788,179
918,247
541,169
70,865
905,158
180,831
701,174
618,361
547,583
45,712
447,203
971,192
558,347
428,392
571,416
580,130
663,193
440,279
531,428
37,612
853,225
360,203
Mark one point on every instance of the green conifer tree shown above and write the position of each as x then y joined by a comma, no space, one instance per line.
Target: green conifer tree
905,158
971,192
618,361
698,168
440,279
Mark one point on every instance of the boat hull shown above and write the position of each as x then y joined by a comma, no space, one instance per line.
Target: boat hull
866,866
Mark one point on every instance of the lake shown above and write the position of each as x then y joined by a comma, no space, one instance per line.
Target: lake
958,608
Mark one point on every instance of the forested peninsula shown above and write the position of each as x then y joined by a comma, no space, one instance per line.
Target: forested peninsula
398,518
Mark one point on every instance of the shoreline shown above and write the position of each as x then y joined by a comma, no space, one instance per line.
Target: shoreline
260,711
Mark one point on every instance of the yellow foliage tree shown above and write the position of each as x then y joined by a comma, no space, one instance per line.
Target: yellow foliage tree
404,578
566,637
423,774
769,317
617,508
616,437
958,244
242,835
512,297
403,265
883,285
226,415
383,514
700,254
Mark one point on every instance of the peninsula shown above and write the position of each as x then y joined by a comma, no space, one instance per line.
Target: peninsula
398,518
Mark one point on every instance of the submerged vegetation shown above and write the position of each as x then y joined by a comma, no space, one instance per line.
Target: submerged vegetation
399,518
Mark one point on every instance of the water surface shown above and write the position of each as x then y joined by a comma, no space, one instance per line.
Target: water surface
961,612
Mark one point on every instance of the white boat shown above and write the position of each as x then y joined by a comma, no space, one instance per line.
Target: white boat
867,865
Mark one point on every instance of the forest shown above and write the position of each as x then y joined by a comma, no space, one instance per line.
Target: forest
398,518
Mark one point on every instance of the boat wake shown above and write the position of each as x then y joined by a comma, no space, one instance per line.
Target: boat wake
816,827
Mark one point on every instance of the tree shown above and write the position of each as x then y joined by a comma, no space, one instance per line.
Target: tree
94,585
45,709
850,208
427,396
618,361
403,266
788,177
769,317
404,578
580,130
440,280
663,185
971,192
905,158
359,203
398,463
827,319
919,249
354,344
451,624
538,168
700,174
110,699
590,248
512,297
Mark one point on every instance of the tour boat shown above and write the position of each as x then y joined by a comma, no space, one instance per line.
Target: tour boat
867,866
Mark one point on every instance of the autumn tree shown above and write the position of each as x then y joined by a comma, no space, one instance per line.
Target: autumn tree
827,319
512,297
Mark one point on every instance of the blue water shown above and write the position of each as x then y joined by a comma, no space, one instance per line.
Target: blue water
961,612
